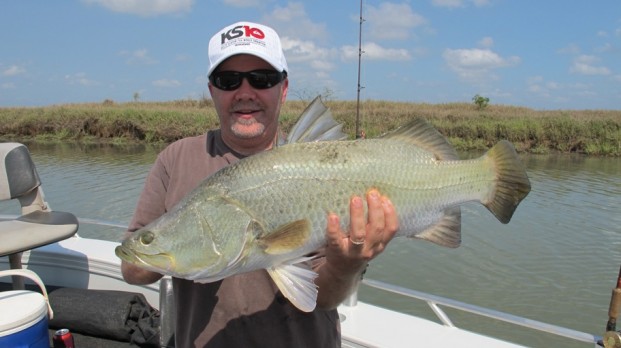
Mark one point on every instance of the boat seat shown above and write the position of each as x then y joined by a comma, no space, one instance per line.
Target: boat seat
38,225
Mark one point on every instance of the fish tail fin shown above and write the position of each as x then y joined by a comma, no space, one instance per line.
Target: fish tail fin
512,183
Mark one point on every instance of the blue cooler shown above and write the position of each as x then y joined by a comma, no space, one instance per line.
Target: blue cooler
23,316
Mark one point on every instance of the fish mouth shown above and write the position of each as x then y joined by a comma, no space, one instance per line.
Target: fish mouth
160,261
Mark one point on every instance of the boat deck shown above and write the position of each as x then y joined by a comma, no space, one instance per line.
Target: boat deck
360,329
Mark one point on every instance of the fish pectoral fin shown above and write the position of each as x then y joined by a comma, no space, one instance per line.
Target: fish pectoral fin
286,238
447,231
296,282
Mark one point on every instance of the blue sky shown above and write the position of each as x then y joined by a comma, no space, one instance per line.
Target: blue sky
543,54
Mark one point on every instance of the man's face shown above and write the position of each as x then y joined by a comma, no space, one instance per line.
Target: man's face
248,116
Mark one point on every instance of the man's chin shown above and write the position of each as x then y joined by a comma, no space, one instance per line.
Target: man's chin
247,131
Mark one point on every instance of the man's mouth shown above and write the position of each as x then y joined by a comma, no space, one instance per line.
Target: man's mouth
245,112
245,109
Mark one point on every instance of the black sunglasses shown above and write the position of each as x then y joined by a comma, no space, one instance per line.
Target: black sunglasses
259,79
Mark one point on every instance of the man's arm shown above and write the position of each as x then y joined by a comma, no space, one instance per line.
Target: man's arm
347,254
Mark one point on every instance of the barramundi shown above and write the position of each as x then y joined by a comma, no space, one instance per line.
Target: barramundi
269,211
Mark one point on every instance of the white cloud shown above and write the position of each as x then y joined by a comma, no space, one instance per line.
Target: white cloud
183,57
304,51
322,65
80,79
13,70
558,92
606,47
586,65
166,83
392,21
448,3
373,51
243,3
293,21
570,49
145,7
8,85
476,63
140,56
486,42
459,3
538,86
479,3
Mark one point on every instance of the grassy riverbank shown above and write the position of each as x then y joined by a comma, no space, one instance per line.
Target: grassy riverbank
591,132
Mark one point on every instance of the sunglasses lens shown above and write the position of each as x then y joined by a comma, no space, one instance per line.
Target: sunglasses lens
264,79
259,79
226,80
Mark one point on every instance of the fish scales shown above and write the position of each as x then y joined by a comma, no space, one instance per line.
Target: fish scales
307,180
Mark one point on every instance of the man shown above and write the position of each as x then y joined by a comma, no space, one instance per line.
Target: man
248,84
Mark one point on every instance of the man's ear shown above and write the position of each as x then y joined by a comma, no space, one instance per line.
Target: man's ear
285,89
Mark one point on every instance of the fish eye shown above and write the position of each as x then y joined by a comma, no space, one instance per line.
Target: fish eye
146,238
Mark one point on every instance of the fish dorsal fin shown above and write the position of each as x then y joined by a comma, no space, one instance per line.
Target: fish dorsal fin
315,124
286,238
447,231
422,134
295,280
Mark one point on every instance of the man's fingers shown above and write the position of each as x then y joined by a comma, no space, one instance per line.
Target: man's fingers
358,221
391,220
376,212
334,229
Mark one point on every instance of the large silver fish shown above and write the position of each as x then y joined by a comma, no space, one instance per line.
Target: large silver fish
269,210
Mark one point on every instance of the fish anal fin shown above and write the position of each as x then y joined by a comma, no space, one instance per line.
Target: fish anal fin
296,282
447,231
286,238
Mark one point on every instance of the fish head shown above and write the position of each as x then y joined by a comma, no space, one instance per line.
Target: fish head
200,239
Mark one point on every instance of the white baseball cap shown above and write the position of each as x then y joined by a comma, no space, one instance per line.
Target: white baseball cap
246,38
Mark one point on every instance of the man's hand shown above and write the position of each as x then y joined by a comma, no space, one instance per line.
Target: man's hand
347,253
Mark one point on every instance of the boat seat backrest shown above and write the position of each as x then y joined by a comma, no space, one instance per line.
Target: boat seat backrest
18,174
19,178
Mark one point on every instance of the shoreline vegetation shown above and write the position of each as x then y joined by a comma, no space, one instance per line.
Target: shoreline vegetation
467,127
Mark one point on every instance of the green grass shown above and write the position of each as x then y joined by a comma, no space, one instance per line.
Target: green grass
590,132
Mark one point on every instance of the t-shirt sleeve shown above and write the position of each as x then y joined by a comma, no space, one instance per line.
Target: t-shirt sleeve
151,203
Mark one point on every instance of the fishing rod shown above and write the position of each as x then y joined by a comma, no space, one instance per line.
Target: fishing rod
358,133
612,337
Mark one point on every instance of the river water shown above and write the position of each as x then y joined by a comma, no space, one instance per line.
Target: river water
556,261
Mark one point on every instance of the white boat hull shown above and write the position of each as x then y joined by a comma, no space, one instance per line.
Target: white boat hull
91,264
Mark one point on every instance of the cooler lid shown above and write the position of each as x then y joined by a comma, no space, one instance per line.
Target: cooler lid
20,307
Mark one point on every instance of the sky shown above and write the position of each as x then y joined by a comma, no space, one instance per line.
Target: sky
541,54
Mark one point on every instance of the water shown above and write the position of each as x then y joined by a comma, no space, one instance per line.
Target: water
556,261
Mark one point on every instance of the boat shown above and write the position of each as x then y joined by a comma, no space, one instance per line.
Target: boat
55,253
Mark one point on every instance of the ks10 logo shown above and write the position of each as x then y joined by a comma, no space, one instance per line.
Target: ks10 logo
242,30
